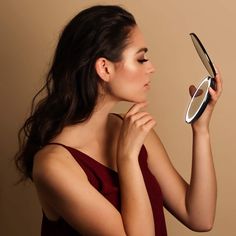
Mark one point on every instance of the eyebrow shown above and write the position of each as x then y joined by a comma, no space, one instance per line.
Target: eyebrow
142,50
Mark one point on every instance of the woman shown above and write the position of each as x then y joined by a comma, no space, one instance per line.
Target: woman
98,173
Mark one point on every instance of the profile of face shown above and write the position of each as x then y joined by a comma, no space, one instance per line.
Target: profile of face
130,78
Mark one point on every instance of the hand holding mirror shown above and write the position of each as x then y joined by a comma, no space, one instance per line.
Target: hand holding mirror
201,96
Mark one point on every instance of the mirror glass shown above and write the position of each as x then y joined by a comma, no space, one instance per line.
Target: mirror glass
201,96
199,101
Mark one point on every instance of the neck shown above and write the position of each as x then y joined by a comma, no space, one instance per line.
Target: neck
100,115
94,128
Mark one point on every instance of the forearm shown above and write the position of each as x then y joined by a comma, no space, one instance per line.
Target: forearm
135,204
202,191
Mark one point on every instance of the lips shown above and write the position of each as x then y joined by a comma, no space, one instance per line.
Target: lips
147,84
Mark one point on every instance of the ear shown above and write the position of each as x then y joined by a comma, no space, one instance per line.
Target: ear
104,68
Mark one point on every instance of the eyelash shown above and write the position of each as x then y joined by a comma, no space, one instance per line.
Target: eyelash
142,60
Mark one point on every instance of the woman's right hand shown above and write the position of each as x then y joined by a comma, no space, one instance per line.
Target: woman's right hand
135,127
136,210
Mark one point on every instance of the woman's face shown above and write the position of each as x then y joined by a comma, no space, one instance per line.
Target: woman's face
131,78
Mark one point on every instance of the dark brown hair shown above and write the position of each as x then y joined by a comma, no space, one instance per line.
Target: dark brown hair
72,82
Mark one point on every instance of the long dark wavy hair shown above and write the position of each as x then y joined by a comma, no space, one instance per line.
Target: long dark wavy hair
71,85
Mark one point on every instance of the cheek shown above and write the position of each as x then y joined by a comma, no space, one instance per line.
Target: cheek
130,76
131,70
128,84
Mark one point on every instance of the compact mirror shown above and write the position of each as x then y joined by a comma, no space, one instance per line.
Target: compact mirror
201,96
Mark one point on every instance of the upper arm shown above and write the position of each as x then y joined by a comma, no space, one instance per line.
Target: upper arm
66,188
172,185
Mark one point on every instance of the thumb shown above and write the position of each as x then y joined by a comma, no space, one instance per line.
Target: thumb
192,90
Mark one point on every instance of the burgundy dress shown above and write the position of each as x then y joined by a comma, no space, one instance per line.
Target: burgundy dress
106,181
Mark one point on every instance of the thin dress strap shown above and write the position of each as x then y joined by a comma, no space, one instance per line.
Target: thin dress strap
118,115
60,144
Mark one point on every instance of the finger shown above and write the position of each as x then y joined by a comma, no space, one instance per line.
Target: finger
135,108
138,115
218,73
199,92
219,83
192,90
145,123
149,125
143,120
214,95
217,69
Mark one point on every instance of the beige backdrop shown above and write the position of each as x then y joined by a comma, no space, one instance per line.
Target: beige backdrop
29,30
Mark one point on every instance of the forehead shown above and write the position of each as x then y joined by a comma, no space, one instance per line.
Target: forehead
136,41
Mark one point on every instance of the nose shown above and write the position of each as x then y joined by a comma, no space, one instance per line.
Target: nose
150,68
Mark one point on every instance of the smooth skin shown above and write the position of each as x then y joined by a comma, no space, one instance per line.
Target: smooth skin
63,187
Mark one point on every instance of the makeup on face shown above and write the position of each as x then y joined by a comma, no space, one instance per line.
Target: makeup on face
143,57
131,79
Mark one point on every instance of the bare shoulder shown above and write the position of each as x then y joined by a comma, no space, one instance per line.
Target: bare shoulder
153,142
65,191
158,160
53,160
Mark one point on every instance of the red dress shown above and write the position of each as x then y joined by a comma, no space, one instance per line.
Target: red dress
106,181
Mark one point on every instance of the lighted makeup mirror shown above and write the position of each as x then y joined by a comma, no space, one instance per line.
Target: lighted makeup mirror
201,96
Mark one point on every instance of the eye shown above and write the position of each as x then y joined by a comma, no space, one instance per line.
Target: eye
142,60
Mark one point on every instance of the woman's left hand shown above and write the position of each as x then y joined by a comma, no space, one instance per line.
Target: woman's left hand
204,120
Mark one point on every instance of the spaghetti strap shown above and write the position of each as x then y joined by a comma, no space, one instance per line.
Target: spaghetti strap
68,148
118,115
59,144
83,158
106,181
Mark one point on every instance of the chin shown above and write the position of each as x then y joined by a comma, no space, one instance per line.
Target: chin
137,100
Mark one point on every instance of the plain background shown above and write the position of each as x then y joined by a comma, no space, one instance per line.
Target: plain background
29,31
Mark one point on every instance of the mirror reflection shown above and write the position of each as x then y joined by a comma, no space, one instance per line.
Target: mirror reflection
199,101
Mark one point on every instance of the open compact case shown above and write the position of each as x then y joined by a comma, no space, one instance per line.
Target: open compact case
201,96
